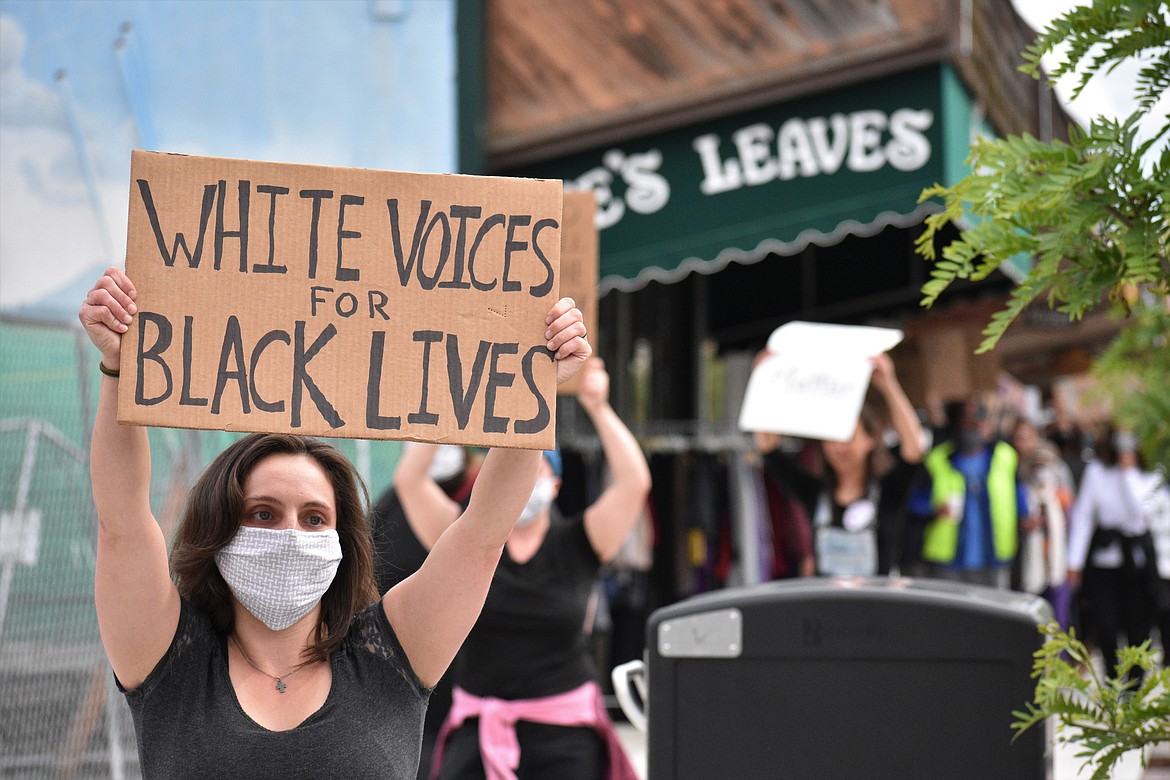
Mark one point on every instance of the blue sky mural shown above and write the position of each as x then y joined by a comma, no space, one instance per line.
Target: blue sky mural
362,83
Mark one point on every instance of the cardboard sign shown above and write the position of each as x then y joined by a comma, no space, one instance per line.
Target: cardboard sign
580,256
813,381
341,302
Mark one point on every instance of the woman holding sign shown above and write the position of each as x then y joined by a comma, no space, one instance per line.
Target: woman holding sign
526,703
858,504
263,649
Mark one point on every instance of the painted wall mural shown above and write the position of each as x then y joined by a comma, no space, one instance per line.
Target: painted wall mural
361,83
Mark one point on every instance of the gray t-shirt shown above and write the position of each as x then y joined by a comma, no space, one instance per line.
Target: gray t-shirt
189,723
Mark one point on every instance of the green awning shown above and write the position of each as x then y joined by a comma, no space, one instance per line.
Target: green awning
773,180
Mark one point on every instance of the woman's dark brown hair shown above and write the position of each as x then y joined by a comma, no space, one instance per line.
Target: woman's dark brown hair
213,514
880,459
1106,448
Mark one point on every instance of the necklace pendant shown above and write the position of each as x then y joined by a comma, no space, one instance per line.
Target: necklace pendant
280,686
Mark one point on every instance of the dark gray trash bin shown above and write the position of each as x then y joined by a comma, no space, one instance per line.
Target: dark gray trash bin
843,679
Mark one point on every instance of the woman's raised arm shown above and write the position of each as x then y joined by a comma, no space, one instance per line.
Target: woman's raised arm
428,510
137,603
609,519
902,414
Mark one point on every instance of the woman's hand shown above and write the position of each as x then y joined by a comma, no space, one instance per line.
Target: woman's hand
808,566
594,390
567,338
883,377
766,441
107,312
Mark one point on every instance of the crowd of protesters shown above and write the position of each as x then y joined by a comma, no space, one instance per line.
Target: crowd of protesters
999,498
970,492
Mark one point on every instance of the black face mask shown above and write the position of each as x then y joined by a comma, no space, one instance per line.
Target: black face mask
970,439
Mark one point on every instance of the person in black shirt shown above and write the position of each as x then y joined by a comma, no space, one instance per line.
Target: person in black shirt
858,504
397,551
399,554
525,676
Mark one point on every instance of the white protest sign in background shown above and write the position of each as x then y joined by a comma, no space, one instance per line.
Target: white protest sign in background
813,381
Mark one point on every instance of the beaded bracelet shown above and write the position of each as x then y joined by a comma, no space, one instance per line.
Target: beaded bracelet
108,371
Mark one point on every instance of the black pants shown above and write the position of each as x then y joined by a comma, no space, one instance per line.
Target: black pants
561,752
1162,618
1119,602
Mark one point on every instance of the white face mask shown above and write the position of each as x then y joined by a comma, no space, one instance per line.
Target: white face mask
448,462
543,493
279,575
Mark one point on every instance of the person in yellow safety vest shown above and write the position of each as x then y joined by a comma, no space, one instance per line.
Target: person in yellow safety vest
977,500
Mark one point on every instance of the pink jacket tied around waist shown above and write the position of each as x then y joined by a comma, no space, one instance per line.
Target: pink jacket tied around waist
498,745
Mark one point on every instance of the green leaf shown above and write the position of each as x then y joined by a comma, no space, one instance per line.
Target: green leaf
1104,718
1091,211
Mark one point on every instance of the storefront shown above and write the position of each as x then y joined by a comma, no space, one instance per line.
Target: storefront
733,200
801,210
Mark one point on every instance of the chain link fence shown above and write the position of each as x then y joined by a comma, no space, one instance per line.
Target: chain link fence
61,715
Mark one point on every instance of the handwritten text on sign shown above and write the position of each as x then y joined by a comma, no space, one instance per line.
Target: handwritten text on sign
341,302
813,381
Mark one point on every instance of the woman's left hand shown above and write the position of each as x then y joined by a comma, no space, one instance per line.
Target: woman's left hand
594,390
567,339
883,376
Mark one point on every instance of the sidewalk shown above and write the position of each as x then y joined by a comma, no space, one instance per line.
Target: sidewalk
1066,766
634,742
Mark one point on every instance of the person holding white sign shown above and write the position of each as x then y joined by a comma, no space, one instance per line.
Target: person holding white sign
263,649
857,506
526,703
